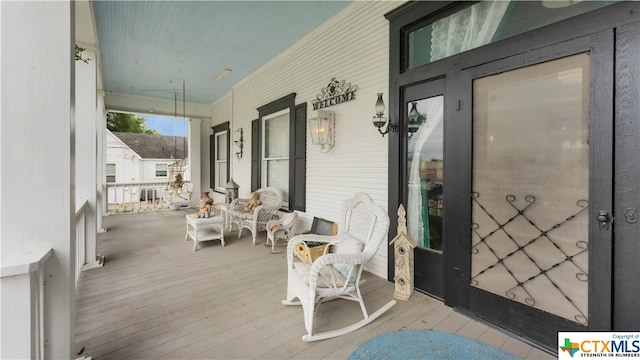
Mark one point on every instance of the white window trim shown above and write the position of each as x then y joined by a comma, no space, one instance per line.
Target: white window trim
264,160
107,174
218,162
166,169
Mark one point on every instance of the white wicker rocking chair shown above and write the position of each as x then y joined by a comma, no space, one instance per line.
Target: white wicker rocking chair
362,227
255,221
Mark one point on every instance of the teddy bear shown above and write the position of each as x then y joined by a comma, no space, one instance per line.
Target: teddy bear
206,205
254,202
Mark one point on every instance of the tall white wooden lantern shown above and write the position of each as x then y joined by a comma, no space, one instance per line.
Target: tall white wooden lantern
403,245
230,191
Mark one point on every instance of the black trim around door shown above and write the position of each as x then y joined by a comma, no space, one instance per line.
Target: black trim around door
627,179
429,264
529,321
619,70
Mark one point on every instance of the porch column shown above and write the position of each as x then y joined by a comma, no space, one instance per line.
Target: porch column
194,160
37,176
101,188
87,152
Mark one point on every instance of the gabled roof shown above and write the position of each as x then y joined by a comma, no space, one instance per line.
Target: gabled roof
150,146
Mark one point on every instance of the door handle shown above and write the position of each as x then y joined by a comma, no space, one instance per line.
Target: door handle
603,220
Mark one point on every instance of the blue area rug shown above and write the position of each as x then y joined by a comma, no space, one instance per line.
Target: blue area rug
426,344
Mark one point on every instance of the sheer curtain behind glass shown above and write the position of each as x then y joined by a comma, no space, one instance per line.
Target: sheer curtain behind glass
472,27
276,153
425,148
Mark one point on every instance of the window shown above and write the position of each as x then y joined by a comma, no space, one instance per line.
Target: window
219,166
161,170
279,150
275,160
221,160
111,173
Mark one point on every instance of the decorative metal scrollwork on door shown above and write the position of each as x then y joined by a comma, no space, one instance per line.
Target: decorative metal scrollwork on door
524,247
631,215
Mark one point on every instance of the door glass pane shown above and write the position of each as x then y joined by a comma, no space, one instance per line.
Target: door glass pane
485,22
419,46
531,186
425,171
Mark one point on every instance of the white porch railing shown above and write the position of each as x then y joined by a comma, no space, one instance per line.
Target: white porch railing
23,292
146,196
26,298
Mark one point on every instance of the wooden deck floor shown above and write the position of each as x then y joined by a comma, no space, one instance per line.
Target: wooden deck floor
155,298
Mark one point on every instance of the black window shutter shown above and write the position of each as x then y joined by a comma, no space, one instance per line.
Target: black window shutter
298,153
255,155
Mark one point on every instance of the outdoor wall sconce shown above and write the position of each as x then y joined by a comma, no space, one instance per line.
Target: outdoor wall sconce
322,128
379,120
414,120
239,143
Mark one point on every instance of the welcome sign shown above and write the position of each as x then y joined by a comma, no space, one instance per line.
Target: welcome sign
336,92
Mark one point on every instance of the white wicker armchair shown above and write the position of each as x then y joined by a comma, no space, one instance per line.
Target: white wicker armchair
280,229
362,227
255,221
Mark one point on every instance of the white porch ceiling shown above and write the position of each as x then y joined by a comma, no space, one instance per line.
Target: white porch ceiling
148,48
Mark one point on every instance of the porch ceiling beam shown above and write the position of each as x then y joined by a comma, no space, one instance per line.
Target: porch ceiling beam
149,105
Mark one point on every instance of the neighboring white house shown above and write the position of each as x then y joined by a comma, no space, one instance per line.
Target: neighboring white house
141,158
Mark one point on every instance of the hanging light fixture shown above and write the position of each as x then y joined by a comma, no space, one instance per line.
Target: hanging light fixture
322,129
223,74
379,120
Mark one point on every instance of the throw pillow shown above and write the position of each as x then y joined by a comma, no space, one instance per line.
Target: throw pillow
347,245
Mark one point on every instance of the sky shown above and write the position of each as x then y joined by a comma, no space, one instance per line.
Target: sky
167,125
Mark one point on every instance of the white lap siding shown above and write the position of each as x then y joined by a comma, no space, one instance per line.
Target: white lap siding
352,46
